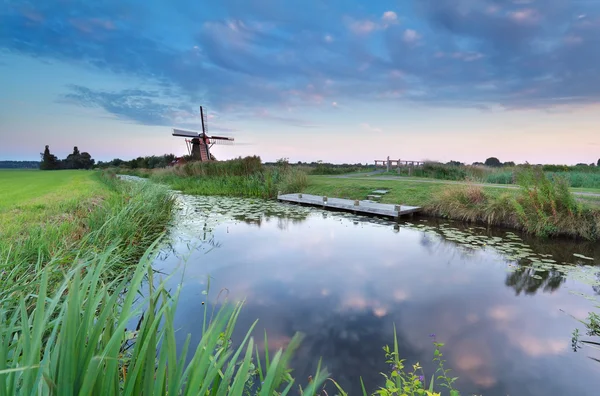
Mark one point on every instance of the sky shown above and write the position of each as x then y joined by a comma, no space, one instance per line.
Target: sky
343,81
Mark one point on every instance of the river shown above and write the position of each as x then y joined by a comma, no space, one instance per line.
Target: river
500,302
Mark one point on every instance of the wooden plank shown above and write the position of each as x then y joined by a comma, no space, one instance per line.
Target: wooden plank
363,207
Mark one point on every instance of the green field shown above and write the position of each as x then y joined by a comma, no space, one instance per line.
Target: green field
407,192
52,199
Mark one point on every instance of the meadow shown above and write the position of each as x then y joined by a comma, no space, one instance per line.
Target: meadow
541,205
578,176
241,177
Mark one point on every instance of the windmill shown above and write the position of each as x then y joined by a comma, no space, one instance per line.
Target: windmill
199,143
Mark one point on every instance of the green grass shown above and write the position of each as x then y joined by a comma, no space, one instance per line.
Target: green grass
553,210
84,212
406,192
22,189
241,177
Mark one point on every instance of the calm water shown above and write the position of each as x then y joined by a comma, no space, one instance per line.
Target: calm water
344,281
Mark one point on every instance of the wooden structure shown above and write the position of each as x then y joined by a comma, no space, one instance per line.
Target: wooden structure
199,143
398,164
348,205
389,163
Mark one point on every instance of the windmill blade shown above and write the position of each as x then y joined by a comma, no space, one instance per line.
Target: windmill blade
185,133
221,141
220,138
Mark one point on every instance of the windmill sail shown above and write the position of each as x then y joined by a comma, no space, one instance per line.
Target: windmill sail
185,133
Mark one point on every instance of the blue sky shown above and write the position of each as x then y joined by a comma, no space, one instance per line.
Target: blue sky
338,80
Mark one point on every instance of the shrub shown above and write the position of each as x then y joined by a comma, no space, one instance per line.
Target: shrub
544,206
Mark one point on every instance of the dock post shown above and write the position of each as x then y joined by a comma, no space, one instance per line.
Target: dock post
356,202
398,208
299,195
278,194
324,200
388,163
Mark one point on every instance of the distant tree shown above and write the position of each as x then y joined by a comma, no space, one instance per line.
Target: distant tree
454,163
19,164
49,160
598,163
85,161
581,164
509,163
493,162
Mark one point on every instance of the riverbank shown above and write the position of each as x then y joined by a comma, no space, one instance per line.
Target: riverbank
539,206
51,219
241,177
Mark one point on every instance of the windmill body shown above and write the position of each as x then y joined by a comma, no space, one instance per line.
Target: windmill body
199,143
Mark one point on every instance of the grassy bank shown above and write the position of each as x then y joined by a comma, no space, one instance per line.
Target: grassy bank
577,176
242,177
541,205
52,218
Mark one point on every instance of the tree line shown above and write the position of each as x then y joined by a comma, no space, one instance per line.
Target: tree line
148,162
19,164
75,160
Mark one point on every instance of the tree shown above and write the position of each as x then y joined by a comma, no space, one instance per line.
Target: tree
49,161
598,163
73,161
85,161
493,162
509,163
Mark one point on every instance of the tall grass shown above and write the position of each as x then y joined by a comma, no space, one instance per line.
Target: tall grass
76,341
242,177
544,206
132,217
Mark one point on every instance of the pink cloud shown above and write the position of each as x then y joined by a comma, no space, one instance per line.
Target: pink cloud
362,27
526,15
411,36
389,17
467,56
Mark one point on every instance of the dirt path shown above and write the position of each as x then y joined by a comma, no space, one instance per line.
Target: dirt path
361,176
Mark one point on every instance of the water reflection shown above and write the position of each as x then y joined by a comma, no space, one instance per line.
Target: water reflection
345,280
529,280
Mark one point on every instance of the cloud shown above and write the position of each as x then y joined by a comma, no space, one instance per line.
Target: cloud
411,36
389,17
239,57
362,27
370,128
138,106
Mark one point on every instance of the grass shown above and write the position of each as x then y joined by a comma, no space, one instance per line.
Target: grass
242,177
577,176
406,192
544,206
84,212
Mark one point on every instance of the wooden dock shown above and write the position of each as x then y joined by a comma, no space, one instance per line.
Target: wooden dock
348,205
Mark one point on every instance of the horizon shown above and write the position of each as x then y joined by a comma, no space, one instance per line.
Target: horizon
341,82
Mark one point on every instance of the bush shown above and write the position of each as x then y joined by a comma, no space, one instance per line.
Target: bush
544,206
